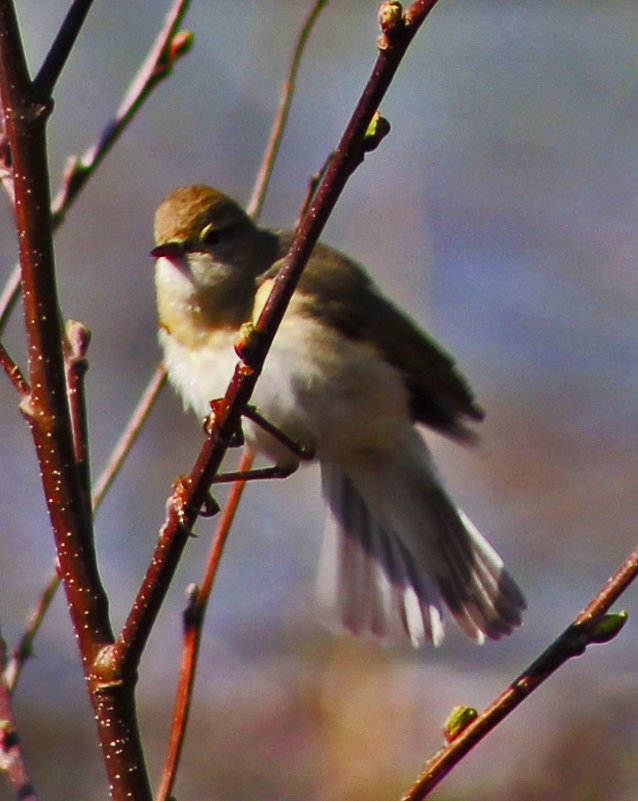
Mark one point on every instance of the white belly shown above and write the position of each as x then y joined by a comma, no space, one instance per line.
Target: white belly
326,392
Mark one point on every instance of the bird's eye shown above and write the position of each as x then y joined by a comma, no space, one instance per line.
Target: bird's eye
210,235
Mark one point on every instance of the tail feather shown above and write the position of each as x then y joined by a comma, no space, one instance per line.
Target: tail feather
366,581
391,556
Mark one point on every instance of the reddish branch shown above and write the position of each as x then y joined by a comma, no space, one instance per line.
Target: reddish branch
198,601
272,148
193,623
167,48
592,625
11,757
184,506
26,108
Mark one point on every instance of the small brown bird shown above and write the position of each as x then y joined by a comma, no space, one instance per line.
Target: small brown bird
353,379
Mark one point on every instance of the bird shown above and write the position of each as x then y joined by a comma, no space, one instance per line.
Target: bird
353,380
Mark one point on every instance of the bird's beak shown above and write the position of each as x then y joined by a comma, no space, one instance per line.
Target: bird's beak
169,250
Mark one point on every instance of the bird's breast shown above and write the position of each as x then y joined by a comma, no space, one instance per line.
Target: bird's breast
200,373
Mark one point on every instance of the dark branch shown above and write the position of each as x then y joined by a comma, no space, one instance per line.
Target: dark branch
61,48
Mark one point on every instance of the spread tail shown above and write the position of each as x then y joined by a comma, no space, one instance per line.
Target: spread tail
396,547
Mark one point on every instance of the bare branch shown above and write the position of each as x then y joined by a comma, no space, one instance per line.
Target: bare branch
9,295
129,435
313,183
12,760
24,648
14,372
61,48
193,623
272,148
25,114
593,625
167,48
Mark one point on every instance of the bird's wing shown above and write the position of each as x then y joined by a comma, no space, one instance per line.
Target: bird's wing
345,297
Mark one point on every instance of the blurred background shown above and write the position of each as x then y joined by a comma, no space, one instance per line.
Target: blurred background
501,213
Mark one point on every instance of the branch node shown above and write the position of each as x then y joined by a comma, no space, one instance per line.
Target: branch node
249,345
105,671
392,23
79,339
211,424
606,627
28,410
377,130
459,718
180,44
193,613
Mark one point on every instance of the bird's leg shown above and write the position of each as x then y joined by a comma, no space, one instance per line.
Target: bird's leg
255,475
300,451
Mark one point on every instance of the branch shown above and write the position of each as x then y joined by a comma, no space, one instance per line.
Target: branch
129,435
198,603
192,494
272,148
10,295
24,648
47,410
11,755
167,48
61,48
46,406
13,372
193,623
593,625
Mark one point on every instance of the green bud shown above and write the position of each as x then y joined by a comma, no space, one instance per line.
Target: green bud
378,128
606,627
459,718
180,43
248,342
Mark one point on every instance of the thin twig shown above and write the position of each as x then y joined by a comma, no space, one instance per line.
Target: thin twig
12,761
129,435
9,296
61,48
311,189
167,48
13,372
24,648
272,148
591,626
193,623
75,345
